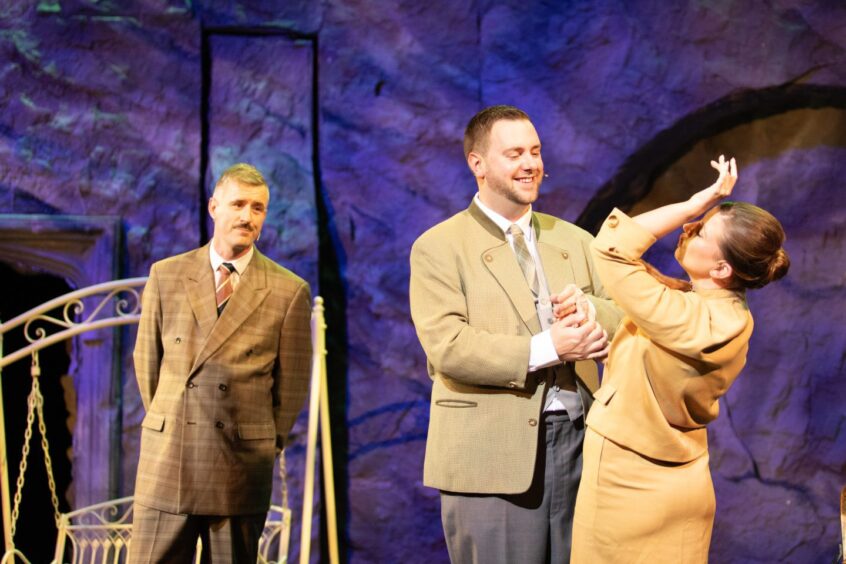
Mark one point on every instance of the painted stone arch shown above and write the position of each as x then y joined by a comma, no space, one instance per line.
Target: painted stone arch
772,448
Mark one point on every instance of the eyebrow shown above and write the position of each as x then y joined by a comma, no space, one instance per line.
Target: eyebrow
246,200
518,148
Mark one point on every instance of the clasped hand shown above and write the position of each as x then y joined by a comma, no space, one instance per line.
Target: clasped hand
575,333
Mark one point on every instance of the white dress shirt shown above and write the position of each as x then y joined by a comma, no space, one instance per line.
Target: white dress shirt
241,263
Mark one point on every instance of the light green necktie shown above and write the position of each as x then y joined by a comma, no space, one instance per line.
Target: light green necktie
524,257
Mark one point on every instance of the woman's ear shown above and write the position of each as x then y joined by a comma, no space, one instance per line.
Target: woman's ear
722,271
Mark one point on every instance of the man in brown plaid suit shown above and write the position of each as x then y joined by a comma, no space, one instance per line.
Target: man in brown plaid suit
510,385
222,361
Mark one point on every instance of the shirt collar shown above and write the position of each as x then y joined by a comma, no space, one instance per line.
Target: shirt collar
524,222
240,263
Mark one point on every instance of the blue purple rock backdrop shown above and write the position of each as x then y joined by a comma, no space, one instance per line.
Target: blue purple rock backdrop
355,111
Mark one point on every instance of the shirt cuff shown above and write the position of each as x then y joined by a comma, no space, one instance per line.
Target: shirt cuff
542,353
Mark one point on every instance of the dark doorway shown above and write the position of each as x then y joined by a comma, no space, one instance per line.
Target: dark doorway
36,530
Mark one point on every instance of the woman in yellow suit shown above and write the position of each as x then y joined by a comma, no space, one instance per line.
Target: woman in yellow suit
646,493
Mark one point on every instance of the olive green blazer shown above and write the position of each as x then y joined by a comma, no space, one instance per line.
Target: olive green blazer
475,315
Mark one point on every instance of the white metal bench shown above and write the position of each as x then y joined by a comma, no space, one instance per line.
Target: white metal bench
102,533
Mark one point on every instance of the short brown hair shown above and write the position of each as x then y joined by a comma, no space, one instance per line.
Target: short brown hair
478,131
752,243
242,173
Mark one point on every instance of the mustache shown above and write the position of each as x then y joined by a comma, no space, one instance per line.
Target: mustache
248,226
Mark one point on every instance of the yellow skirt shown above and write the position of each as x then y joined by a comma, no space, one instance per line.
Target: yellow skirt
635,509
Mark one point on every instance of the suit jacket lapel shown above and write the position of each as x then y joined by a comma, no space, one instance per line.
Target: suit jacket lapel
502,264
199,287
558,273
554,255
251,291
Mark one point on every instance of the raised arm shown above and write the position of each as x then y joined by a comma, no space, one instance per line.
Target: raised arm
665,219
675,319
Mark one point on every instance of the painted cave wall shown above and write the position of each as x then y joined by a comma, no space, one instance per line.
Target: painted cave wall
355,111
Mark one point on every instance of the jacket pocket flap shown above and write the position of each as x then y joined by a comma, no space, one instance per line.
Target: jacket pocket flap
253,431
153,421
605,393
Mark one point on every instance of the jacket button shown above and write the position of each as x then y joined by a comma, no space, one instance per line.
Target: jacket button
189,385
222,387
612,249
177,340
613,221
488,258
533,422
565,255
219,424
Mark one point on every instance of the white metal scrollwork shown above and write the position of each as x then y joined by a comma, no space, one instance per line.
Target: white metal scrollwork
114,303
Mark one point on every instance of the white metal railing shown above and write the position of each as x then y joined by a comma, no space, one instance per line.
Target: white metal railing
97,533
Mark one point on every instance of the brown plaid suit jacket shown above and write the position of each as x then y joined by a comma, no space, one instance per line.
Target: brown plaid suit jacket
221,394
475,315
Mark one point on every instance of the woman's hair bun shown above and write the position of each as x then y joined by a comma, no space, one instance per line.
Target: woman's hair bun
779,265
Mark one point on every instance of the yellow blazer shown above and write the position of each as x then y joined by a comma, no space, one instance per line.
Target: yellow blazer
475,315
673,356
221,394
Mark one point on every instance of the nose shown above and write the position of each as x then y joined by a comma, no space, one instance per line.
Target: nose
245,215
529,161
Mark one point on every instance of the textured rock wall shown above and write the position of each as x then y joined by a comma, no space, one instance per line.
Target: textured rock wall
103,109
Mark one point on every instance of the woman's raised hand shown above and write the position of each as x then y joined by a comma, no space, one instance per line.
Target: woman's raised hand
705,199
665,219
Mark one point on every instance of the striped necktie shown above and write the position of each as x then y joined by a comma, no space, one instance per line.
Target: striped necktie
224,287
524,257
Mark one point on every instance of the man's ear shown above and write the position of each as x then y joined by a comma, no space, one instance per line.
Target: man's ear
722,271
476,164
212,206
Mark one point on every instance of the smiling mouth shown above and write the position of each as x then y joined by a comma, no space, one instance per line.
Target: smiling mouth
525,179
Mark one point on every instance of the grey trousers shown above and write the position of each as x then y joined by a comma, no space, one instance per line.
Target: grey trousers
534,527
168,538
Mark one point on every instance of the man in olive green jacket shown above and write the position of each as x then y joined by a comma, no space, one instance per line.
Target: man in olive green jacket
510,387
